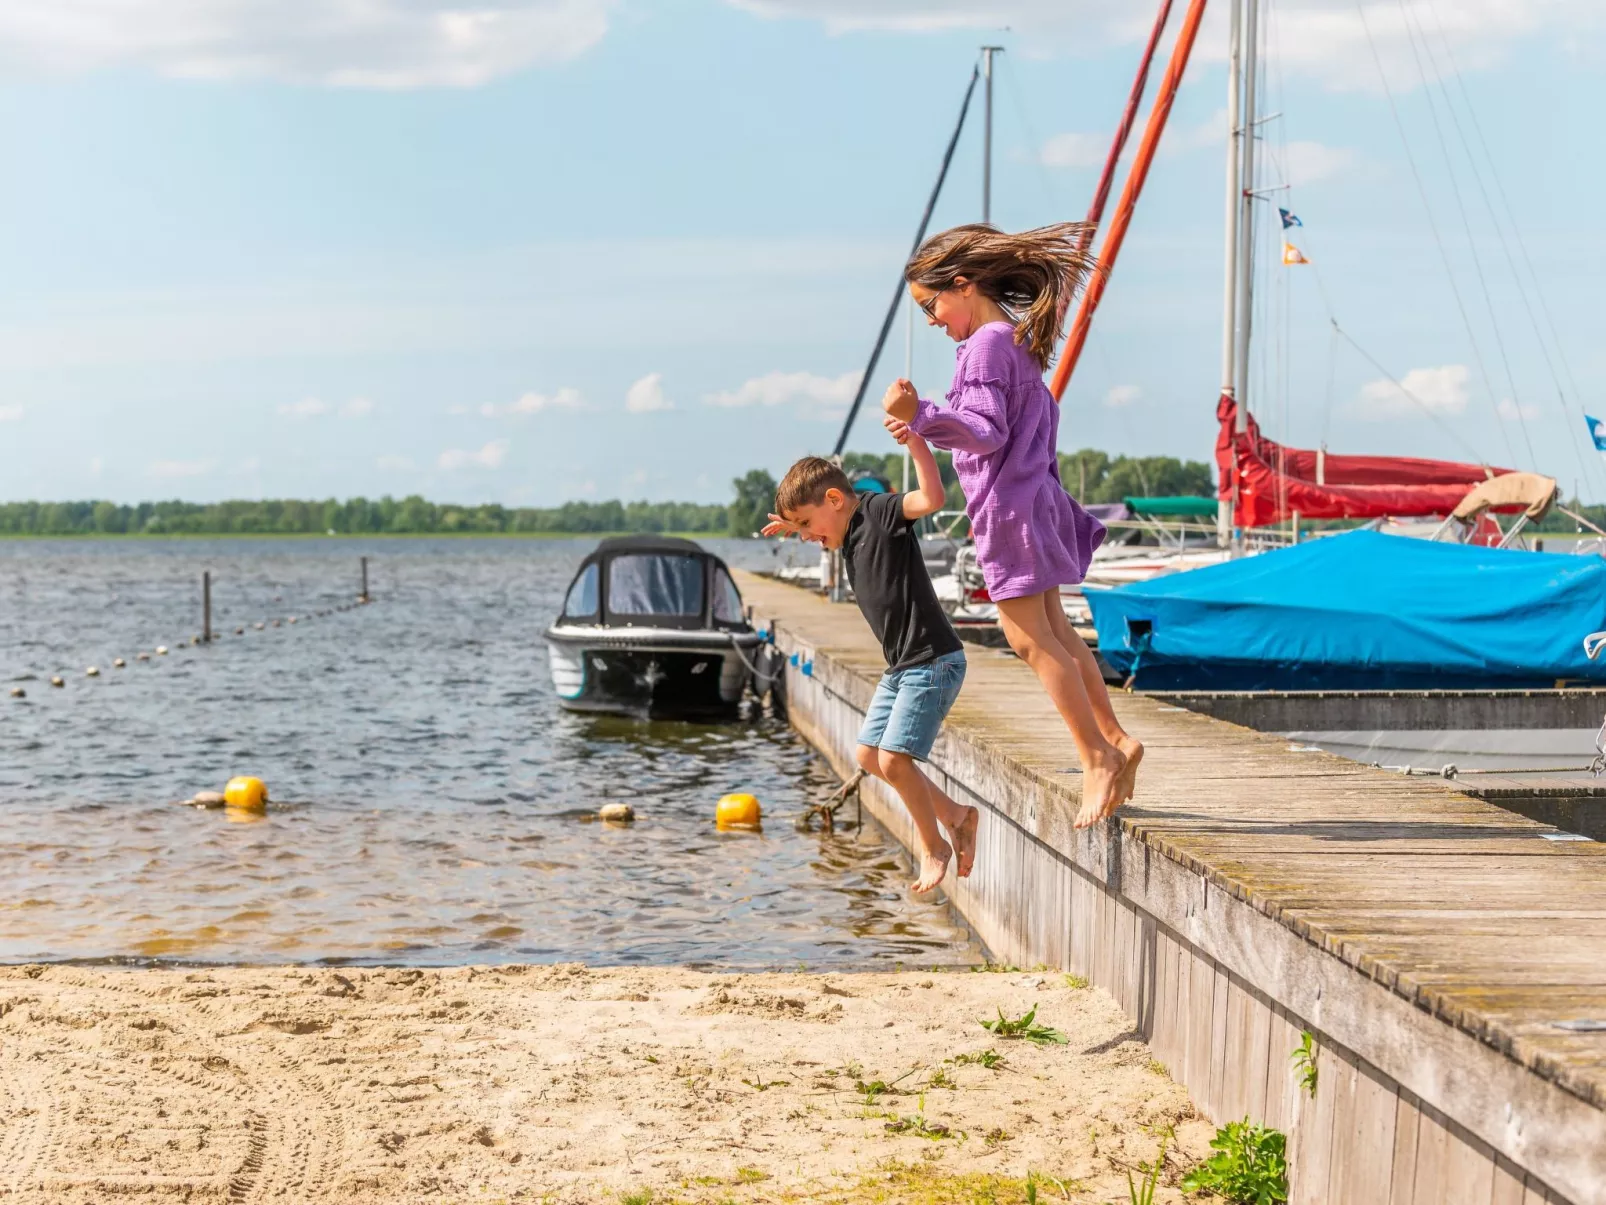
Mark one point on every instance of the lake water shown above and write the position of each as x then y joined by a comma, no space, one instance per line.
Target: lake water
431,796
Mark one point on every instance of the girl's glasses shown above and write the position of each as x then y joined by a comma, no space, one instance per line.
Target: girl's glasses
929,305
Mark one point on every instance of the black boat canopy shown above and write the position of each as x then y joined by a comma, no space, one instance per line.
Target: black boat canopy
656,582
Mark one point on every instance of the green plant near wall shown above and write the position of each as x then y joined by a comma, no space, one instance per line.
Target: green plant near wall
1304,1060
1249,1166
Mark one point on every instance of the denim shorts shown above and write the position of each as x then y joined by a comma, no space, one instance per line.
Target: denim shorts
909,705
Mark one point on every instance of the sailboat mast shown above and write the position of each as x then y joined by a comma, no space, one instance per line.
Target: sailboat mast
1246,207
987,53
1229,302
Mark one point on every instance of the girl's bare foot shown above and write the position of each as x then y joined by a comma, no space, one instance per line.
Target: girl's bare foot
964,839
933,867
1128,781
1100,781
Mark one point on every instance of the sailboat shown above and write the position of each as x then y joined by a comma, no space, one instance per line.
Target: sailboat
1360,610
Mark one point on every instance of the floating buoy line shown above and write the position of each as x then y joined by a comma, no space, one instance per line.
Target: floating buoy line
59,681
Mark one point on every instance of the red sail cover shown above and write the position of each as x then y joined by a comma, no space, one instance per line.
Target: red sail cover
1275,482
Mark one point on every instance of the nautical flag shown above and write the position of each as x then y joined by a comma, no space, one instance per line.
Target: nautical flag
1597,432
1293,255
1289,219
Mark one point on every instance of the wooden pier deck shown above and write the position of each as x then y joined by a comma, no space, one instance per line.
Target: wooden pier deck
1448,955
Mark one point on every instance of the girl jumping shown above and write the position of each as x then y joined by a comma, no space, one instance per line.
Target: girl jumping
1002,297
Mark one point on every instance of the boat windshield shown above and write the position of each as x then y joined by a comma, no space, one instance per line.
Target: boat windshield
727,599
582,600
655,584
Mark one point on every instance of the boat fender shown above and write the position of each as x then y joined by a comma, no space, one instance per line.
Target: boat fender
793,659
616,813
808,668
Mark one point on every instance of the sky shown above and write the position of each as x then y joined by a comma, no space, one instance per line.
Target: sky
549,249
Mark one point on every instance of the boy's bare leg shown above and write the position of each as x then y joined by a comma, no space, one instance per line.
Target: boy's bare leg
916,791
1026,626
1098,695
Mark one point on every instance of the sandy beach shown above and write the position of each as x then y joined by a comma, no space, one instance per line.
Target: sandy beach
563,1084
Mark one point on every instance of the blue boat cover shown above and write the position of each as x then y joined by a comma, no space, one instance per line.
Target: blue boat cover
1360,611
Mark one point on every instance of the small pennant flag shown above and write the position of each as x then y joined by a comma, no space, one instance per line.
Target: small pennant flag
1597,432
1289,219
1293,255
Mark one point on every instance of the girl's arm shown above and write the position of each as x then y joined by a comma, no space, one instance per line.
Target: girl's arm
976,421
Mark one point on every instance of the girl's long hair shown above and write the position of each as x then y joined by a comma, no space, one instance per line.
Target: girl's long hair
1032,275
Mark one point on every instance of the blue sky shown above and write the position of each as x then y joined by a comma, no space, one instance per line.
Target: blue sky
583,248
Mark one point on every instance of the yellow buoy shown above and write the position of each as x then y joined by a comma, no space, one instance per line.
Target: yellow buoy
246,792
737,811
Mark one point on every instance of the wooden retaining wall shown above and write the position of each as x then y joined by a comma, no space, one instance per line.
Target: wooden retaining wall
1435,1087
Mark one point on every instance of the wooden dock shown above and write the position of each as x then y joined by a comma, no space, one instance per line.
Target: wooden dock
1447,955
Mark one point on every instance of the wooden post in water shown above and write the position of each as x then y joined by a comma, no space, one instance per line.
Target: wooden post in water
363,597
206,606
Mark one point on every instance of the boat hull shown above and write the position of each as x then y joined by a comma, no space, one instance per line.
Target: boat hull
650,674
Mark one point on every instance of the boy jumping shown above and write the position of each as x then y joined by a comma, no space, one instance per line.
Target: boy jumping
925,659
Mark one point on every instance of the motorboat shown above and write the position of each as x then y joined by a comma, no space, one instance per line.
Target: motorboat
654,627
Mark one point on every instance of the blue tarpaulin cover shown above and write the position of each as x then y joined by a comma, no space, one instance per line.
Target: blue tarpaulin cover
1360,611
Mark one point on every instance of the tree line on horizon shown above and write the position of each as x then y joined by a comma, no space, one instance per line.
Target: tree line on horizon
1091,475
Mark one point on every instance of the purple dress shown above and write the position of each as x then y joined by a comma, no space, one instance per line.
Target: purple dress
1002,425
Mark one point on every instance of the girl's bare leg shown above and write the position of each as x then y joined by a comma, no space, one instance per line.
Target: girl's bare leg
1026,626
1098,695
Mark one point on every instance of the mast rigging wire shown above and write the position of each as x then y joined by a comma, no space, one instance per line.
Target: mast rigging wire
1412,36
1516,234
897,293
1433,225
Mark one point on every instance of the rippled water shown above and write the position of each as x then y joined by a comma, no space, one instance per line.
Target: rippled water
434,793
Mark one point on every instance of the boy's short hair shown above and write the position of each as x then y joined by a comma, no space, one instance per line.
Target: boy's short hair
806,481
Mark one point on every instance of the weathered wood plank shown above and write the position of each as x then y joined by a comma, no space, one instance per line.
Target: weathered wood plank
1464,912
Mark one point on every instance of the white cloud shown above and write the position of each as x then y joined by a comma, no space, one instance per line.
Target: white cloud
1511,412
1074,150
490,456
96,464
534,403
358,407
1122,395
395,464
10,414
647,395
385,44
180,468
815,396
307,407
1438,390
1325,40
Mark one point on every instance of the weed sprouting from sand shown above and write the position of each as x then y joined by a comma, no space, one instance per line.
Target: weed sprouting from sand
642,1196
1304,1060
990,1059
996,1136
1156,1067
1025,1027
759,1084
940,1079
1143,1194
1249,1165
920,1126
1076,982
751,1175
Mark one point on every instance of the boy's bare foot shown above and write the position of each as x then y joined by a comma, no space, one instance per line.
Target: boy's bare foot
964,839
1128,781
1100,783
933,868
